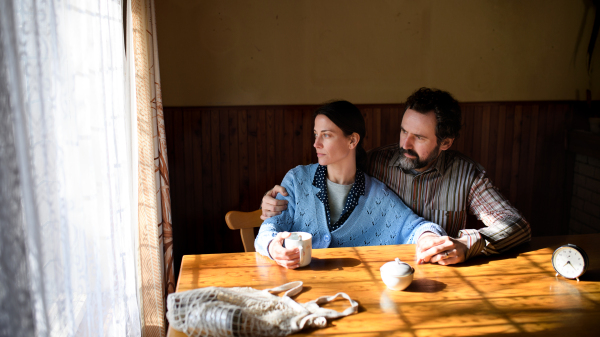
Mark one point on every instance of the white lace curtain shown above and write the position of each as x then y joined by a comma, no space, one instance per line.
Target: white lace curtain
67,177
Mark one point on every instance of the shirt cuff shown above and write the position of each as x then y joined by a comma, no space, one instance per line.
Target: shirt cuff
428,227
268,252
475,243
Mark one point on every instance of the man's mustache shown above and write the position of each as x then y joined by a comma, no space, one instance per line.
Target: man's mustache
411,152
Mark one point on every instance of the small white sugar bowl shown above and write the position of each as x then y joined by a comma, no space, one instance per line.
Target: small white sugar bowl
397,275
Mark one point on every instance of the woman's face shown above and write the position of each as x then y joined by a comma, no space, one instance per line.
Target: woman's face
330,142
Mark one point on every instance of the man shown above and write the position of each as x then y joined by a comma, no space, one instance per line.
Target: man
439,184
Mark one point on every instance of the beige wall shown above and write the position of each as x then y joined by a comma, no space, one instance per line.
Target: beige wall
219,52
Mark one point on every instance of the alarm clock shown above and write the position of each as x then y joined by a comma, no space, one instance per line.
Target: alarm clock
570,261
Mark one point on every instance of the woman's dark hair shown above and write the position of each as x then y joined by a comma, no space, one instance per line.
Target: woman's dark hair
446,109
348,118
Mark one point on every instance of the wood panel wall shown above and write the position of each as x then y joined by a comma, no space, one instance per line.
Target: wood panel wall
226,158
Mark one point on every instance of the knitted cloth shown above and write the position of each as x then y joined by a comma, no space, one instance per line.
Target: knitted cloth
247,312
380,218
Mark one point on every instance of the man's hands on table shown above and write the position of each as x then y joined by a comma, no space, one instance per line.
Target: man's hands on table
271,206
442,250
287,258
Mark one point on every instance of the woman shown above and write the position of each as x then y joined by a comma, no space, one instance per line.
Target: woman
335,200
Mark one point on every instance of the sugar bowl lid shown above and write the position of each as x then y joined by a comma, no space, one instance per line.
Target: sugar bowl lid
396,268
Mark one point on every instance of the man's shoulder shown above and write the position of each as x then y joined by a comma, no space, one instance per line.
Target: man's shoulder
457,159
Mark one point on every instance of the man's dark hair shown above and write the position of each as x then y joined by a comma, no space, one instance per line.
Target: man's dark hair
446,109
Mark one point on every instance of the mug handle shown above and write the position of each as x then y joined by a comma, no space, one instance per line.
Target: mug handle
301,251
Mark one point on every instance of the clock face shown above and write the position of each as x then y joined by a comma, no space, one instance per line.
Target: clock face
569,262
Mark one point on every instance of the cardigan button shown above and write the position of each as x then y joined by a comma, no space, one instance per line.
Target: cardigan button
327,237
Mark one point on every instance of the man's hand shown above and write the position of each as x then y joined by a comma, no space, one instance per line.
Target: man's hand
443,250
271,206
287,258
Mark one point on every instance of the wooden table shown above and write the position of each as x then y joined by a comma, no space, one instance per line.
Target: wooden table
516,293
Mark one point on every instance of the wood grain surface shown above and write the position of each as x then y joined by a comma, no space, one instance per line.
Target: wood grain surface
513,294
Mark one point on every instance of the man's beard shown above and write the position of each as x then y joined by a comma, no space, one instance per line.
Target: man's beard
416,163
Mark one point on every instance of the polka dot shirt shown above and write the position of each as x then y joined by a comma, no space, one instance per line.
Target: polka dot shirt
358,189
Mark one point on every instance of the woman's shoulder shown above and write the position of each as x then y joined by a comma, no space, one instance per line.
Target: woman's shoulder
303,171
375,191
375,186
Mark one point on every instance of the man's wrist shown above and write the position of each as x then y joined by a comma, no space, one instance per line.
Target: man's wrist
473,240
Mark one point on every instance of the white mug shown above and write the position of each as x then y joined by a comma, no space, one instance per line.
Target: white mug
302,241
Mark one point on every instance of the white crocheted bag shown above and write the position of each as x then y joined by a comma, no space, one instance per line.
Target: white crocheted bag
244,311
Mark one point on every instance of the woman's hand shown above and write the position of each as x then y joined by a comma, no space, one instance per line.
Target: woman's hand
287,258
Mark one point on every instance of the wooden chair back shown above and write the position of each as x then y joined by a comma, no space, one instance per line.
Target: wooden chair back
245,222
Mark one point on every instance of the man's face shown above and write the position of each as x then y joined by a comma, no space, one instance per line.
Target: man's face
418,144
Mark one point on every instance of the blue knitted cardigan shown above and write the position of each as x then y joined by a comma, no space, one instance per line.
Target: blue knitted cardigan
380,218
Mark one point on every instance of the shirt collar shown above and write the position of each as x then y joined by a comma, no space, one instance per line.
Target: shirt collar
358,189
321,174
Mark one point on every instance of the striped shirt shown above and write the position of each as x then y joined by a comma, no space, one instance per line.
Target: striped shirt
443,194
